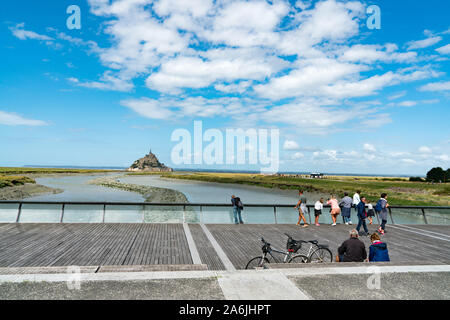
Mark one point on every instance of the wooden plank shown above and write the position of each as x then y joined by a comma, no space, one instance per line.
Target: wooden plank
34,245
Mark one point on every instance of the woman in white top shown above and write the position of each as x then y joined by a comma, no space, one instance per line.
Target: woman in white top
370,213
318,206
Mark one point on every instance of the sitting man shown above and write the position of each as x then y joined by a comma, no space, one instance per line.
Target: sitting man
353,249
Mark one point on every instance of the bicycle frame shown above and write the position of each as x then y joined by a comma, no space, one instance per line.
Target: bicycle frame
287,255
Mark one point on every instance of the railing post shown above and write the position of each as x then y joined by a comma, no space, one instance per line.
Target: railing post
275,214
104,211
201,214
309,214
184,214
62,212
19,212
143,213
390,214
424,216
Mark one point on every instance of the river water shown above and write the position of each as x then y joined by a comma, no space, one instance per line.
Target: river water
76,188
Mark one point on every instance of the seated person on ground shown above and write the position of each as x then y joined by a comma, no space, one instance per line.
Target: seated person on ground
353,249
378,251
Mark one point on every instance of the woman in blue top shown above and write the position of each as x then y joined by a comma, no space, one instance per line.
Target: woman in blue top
378,251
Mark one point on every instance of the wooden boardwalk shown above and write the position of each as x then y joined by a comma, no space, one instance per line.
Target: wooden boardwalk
53,245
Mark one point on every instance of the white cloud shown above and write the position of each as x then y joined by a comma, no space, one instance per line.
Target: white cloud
172,108
377,121
421,44
369,147
424,149
19,32
397,95
444,157
298,155
241,87
291,145
303,4
223,65
13,119
374,53
407,103
436,86
240,48
444,49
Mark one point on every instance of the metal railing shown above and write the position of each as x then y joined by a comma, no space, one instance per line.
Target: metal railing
142,212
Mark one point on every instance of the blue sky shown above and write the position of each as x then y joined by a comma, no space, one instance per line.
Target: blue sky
345,98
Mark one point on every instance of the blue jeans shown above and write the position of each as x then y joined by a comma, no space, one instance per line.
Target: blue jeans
383,224
362,222
237,213
346,219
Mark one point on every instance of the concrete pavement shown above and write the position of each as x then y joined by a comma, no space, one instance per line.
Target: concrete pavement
336,281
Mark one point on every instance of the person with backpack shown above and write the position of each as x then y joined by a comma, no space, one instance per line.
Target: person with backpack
382,209
362,215
237,208
346,205
378,251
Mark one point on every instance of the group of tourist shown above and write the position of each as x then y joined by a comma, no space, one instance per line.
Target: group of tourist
364,210
353,249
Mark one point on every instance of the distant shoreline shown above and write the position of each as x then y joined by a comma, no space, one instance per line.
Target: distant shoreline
119,169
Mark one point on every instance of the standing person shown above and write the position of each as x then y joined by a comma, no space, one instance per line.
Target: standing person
353,249
362,215
318,206
378,251
237,207
356,199
382,207
302,209
370,213
335,209
346,204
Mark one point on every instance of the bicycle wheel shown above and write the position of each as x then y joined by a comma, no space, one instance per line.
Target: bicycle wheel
321,255
257,262
300,258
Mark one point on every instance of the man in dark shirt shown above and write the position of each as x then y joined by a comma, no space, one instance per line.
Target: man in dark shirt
353,249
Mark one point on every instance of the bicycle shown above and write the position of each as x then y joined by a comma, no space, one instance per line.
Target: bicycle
317,253
292,245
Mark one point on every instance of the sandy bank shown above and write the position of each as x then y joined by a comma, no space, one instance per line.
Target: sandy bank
25,191
151,194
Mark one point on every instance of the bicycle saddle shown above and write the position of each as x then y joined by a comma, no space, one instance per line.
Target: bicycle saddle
316,242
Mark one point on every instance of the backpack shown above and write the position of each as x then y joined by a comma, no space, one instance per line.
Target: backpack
378,207
239,203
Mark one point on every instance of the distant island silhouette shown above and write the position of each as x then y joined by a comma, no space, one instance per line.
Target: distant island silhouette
149,163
